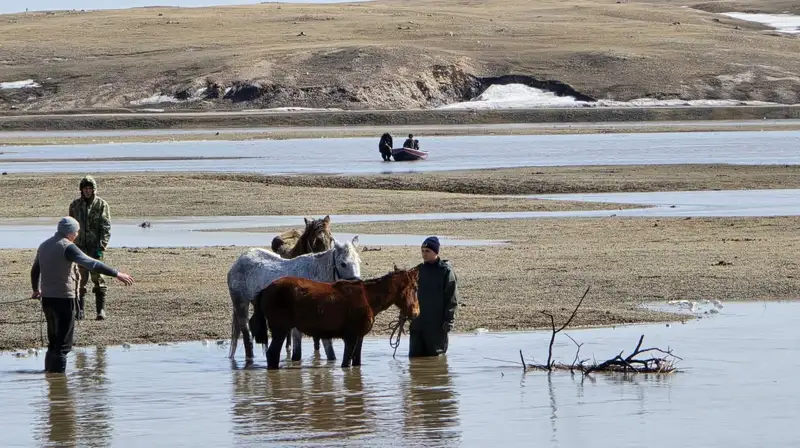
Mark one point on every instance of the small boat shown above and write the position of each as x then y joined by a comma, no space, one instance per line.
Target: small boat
408,154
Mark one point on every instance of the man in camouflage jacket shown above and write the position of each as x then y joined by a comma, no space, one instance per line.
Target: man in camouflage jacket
94,217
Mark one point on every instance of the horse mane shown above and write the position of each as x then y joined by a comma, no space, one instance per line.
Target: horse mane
372,281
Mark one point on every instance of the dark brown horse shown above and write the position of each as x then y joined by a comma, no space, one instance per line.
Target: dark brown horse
345,309
316,237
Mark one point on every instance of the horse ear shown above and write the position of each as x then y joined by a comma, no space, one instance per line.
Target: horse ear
395,267
354,241
327,219
305,220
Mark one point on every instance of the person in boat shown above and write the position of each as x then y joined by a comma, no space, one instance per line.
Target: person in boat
385,146
411,142
438,299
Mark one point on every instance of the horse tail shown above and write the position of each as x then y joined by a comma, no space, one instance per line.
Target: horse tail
238,320
234,336
258,322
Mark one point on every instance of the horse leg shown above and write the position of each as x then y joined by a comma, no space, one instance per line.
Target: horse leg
297,341
288,345
248,344
349,348
329,353
241,317
274,351
357,352
316,344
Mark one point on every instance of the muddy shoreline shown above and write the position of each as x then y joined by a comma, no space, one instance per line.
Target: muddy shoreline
227,119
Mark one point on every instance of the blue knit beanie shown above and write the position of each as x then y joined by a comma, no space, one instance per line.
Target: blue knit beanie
431,243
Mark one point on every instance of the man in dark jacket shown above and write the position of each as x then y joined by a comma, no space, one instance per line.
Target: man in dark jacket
438,300
55,280
385,146
411,142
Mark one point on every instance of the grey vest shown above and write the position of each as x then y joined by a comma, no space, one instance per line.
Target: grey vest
59,276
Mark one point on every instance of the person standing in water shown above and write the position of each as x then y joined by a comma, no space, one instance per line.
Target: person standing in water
54,280
438,300
385,146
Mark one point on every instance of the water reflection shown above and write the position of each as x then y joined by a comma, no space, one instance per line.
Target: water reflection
299,403
78,405
60,426
431,404
92,384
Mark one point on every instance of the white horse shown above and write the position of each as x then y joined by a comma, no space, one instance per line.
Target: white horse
257,268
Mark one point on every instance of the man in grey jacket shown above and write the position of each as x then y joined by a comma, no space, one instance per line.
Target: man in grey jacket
55,268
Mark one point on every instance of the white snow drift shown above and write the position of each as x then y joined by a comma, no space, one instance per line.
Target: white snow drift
520,96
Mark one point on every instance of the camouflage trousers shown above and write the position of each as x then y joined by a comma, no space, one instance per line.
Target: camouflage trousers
97,280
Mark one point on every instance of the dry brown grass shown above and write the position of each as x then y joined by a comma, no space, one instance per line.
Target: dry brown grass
143,195
180,294
395,54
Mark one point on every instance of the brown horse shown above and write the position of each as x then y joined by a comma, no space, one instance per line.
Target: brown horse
345,309
316,237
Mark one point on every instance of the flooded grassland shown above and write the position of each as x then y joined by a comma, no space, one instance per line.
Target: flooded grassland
180,294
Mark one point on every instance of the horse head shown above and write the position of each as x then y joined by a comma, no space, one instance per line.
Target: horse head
347,261
406,284
317,236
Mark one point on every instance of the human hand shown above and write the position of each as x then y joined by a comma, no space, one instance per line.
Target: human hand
36,294
447,327
125,278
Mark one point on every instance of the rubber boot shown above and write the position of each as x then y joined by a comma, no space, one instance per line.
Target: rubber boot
79,315
48,362
100,303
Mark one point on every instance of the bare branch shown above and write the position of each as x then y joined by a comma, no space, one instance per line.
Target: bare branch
575,311
556,331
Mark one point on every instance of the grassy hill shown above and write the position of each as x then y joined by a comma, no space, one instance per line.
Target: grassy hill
392,54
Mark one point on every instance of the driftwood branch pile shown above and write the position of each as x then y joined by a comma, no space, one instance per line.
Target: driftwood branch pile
641,360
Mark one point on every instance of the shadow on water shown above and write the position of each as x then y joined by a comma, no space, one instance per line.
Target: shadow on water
737,388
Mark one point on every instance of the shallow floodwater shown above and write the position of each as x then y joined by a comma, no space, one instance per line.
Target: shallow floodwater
738,388
360,155
26,233
21,233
